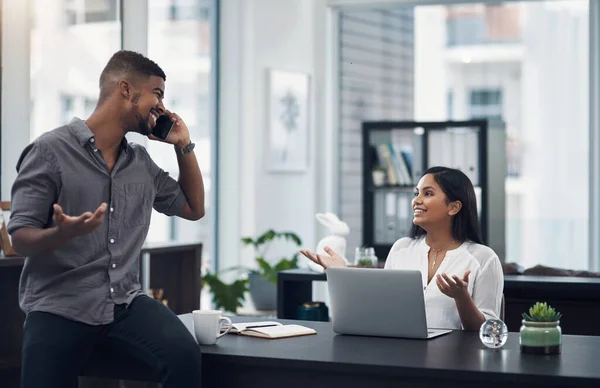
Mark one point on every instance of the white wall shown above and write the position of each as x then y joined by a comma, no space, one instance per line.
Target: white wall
257,35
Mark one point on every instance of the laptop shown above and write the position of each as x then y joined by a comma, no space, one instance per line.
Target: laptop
378,302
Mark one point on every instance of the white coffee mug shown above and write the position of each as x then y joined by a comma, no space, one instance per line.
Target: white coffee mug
207,326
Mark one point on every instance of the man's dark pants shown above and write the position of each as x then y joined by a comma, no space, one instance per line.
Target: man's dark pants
55,349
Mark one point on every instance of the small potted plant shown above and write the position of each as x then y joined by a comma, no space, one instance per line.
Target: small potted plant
261,282
378,176
365,263
365,258
540,331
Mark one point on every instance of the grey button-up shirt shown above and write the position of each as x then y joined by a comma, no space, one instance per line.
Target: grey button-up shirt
85,278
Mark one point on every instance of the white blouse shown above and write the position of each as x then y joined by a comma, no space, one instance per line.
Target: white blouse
486,281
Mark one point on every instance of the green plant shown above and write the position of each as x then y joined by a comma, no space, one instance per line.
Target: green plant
261,245
541,312
229,296
365,263
226,296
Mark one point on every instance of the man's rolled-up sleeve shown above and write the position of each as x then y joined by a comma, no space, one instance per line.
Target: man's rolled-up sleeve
170,199
35,189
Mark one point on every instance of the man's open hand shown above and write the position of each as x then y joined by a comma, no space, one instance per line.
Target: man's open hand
70,226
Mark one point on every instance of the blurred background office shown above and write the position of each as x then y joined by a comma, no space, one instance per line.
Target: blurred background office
524,62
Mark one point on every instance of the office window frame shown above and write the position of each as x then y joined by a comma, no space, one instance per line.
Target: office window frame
132,37
332,174
485,103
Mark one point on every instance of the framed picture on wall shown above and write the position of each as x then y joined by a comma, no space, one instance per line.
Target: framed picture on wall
287,121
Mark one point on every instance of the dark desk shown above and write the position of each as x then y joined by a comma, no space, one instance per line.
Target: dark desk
329,360
455,360
11,321
573,297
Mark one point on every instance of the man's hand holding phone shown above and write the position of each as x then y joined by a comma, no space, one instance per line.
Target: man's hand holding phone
171,129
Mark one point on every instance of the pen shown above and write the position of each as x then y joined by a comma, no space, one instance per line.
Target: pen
255,326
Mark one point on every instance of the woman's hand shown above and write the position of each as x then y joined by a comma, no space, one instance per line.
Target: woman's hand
454,287
470,316
325,261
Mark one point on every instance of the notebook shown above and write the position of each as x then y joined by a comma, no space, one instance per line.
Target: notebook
270,329
240,326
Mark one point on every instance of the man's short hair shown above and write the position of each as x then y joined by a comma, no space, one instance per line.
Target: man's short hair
127,63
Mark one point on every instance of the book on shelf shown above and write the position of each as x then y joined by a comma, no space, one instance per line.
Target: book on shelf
270,329
386,161
401,162
396,159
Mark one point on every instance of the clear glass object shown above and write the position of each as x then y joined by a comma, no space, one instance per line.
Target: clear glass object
365,257
359,252
493,333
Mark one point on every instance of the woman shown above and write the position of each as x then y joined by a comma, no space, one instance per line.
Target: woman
463,278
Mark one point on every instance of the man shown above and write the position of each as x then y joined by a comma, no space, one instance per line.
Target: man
81,207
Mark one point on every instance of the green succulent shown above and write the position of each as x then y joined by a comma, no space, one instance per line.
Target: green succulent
365,263
541,312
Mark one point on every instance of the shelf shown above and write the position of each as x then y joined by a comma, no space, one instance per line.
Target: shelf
479,152
170,247
176,269
12,261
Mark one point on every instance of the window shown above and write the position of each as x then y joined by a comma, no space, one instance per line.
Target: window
181,45
494,60
76,106
67,108
450,103
189,10
483,24
66,61
91,11
485,104
485,97
68,43
89,104
517,66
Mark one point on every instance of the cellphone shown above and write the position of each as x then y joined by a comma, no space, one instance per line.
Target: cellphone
163,127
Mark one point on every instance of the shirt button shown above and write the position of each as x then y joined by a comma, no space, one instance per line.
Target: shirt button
92,140
112,240
112,290
112,209
114,266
